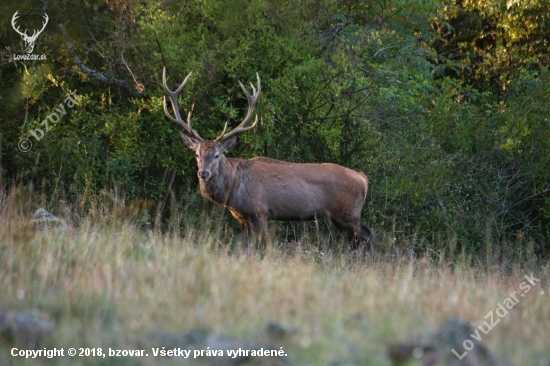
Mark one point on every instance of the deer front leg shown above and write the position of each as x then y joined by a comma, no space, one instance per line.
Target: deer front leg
246,236
253,229
246,231
258,225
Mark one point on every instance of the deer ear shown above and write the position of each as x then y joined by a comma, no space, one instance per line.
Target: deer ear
229,144
189,141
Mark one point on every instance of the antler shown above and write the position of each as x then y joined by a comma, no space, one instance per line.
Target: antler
35,34
252,99
13,19
174,100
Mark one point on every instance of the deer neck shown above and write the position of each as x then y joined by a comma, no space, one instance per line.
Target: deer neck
219,188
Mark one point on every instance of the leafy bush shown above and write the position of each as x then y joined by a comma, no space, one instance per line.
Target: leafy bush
450,154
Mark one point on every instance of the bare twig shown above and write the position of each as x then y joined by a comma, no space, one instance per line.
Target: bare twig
544,191
104,79
139,86
382,49
161,203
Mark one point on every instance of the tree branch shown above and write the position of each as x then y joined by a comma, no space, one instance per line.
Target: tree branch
94,74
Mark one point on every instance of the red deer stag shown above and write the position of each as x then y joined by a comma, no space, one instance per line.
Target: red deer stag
260,189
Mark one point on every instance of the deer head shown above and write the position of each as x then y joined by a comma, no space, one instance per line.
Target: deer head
29,40
209,153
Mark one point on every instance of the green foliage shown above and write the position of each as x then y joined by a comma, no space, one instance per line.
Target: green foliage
489,42
441,103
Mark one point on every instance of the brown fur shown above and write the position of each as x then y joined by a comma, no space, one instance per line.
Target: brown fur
262,189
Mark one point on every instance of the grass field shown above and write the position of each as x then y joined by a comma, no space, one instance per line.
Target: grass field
107,284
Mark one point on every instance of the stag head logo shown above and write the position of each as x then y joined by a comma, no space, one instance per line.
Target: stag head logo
29,40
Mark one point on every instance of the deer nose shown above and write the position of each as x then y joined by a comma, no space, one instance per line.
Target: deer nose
204,174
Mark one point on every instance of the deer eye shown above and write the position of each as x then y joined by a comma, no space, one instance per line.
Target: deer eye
216,156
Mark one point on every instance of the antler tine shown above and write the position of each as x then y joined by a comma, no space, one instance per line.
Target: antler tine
46,18
190,129
16,27
174,101
252,100
37,32
224,129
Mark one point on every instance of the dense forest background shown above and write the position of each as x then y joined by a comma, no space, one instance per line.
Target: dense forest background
444,104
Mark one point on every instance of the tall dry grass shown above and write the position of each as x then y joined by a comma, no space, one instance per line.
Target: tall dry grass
105,283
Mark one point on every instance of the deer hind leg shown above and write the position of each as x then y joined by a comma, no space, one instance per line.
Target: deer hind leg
366,237
356,234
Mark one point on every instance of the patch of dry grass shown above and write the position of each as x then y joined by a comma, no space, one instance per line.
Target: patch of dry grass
106,283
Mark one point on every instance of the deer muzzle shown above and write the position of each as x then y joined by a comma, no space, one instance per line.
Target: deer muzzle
204,174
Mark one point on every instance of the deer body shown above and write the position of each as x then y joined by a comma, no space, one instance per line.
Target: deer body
261,189
284,191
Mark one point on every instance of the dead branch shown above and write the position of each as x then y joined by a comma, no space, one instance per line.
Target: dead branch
104,79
